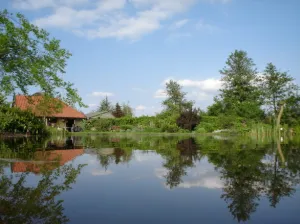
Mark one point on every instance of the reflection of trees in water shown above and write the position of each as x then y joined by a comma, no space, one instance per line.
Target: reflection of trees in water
240,172
178,161
249,175
116,156
25,204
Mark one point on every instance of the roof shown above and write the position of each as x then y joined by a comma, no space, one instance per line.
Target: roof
48,158
101,114
31,102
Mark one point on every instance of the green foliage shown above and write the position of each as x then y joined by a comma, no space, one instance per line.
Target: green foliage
126,127
13,120
276,87
175,101
201,130
127,110
29,57
105,106
240,94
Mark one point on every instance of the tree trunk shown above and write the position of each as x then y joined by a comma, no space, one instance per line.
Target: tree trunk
279,117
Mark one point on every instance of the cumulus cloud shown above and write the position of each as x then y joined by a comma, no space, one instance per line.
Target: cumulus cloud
91,105
101,94
140,107
210,84
160,93
39,4
109,18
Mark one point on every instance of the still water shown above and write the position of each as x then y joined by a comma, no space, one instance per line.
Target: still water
142,179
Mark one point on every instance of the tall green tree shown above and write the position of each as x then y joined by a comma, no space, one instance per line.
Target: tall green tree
105,105
277,88
117,112
240,94
176,101
127,110
29,57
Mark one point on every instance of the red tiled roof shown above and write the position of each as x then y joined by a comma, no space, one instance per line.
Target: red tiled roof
30,103
50,157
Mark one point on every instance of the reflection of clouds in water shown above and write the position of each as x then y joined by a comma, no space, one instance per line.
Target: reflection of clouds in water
143,156
160,172
96,172
92,161
207,178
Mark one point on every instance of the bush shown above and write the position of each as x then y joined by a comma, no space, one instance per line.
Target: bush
188,119
200,130
126,127
14,120
208,127
171,128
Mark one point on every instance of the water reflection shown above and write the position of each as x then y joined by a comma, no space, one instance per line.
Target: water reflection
22,201
245,171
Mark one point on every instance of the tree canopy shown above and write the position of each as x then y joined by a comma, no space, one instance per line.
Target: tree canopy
240,94
176,101
30,57
105,105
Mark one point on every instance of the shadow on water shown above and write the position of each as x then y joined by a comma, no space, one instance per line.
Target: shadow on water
249,171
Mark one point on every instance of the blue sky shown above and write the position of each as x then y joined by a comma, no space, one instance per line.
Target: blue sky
126,49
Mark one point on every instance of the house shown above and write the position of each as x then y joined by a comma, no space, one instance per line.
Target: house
65,117
102,114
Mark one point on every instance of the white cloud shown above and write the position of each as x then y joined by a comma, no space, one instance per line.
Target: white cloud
39,4
101,94
179,24
141,107
91,105
110,18
161,93
207,85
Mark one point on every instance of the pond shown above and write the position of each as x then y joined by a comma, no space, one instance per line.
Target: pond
149,179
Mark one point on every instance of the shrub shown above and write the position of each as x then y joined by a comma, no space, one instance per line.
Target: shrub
208,127
188,119
14,120
171,128
126,127
200,130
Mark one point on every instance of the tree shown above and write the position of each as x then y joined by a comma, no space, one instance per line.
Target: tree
29,57
176,101
127,110
117,112
189,119
105,105
240,93
292,110
277,89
